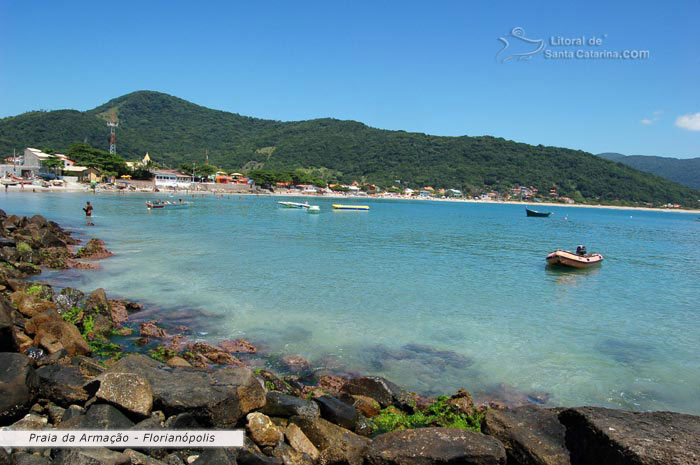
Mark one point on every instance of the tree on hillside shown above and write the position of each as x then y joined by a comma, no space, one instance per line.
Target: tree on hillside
86,155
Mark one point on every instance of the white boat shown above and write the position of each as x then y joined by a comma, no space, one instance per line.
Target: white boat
294,205
314,209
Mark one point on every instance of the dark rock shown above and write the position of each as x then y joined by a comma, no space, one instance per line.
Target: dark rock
94,249
64,385
338,412
289,456
336,444
151,423
247,457
97,456
88,365
23,458
137,458
283,405
273,383
53,334
8,340
214,354
216,457
596,435
69,298
18,386
4,456
238,346
214,399
380,389
462,401
182,421
435,446
99,417
73,411
531,435
330,383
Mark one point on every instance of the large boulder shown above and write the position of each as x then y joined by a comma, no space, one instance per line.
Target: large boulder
531,435
99,417
216,399
30,305
64,385
8,339
380,389
424,446
129,391
18,386
53,334
94,249
335,444
596,435
284,405
338,412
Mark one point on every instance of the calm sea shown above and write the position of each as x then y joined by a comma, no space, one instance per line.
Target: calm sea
434,296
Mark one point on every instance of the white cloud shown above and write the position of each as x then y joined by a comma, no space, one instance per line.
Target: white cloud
646,121
691,122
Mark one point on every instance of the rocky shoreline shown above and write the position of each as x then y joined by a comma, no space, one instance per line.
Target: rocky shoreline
61,367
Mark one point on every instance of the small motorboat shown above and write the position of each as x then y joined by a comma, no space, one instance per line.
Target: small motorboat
578,259
337,206
536,213
294,204
314,209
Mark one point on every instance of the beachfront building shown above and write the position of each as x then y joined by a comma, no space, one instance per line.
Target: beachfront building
172,179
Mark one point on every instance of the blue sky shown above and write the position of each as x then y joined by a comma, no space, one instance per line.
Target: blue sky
427,67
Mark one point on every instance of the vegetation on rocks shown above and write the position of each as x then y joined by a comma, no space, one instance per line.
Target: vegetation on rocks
440,413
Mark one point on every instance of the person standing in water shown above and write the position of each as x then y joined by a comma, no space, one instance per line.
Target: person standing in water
88,213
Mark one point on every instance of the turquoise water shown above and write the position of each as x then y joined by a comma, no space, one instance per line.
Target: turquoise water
434,296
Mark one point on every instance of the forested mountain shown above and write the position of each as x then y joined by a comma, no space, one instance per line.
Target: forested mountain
683,171
174,131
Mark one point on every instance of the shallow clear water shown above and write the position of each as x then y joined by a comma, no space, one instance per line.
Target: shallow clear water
434,296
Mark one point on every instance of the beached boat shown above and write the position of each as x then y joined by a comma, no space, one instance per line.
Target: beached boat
536,213
571,259
338,206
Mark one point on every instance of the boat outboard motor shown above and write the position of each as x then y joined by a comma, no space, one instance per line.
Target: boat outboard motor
581,250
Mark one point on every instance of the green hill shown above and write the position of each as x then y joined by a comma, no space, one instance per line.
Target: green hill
682,171
174,131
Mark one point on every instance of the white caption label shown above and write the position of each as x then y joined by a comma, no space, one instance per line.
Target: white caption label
127,438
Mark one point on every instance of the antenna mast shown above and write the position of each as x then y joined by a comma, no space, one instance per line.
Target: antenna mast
112,133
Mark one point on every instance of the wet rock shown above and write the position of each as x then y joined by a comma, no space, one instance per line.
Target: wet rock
8,340
55,413
182,421
367,406
23,458
129,391
18,386
338,412
299,442
597,435
137,458
380,389
68,298
330,383
248,457
462,401
262,430
118,312
214,354
295,364
238,346
149,329
273,383
53,334
72,412
217,399
284,405
435,446
94,249
97,456
99,417
335,444
531,435
64,385
216,457
30,305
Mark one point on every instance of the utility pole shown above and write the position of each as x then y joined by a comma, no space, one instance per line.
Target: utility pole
112,134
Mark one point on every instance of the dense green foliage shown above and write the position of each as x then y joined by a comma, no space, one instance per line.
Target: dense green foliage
440,413
85,155
175,131
682,171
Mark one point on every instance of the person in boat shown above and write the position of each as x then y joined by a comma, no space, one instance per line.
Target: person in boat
581,250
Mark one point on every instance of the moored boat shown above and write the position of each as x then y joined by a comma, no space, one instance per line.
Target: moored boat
536,213
574,260
294,204
337,206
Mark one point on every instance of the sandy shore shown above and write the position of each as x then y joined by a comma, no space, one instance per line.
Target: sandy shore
213,189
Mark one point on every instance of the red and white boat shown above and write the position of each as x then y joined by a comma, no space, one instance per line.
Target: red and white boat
566,258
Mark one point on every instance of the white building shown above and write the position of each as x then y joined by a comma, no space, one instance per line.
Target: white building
172,178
